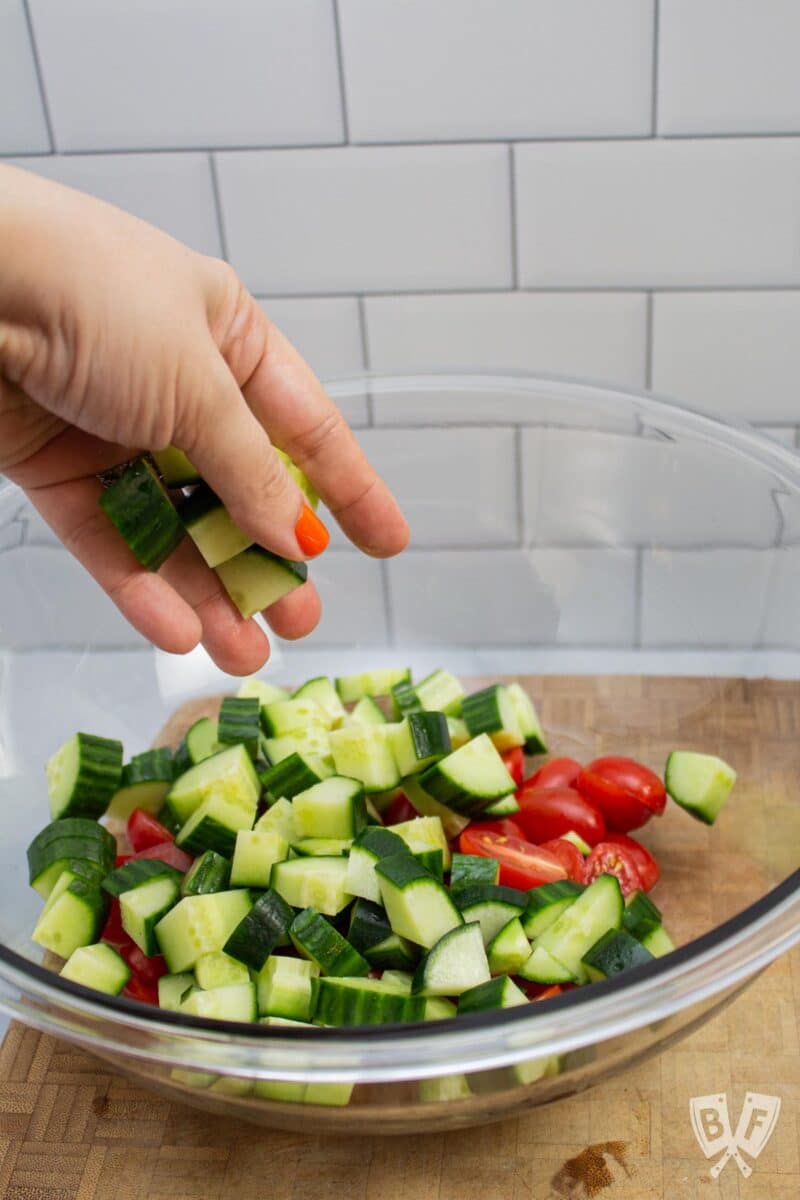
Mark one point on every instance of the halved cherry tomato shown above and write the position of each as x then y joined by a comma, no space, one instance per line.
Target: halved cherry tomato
568,855
145,831
401,809
121,859
558,772
625,792
113,933
610,859
515,764
148,970
646,865
141,989
167,852
546,813
507,826
522,865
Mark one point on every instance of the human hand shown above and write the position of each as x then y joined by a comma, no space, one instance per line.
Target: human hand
115,338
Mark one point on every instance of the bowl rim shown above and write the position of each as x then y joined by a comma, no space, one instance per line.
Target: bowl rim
715,962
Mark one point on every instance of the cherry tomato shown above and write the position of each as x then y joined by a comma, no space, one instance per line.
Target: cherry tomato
646,865
505,825
522,865
141,989
121,859
626,793
568,855
543,991
113,933
546,813
515,764
610,859
401,809
147,970
167,852
558,772
145,831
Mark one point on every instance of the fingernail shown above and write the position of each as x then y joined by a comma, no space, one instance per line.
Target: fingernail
311,534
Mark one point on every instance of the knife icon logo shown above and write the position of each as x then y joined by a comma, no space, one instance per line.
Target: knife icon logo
712,1128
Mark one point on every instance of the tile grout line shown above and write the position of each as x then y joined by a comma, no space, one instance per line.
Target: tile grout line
654,98
512,185
223,240
337,30
518,488
388,607
365,356
564,290
39,76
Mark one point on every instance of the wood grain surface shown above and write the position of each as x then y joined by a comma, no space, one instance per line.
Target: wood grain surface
73,1129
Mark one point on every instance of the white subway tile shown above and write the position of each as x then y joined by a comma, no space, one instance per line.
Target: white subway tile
152,75
655,213
327,333
172,191
351,590
373,219
728,68
478,69
22,125
615,489
514,597
782,622
708,598
590,335
735,352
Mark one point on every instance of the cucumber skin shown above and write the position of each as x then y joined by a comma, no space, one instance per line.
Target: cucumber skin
265,927
240,721
98,777
208,874
369,925
139,507
316,939
135,873
70,837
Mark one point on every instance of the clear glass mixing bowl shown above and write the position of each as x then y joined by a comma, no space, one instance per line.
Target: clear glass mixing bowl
635,561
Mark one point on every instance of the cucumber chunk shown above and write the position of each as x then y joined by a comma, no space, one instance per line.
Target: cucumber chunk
293,774
230,774
265,926
316,939
444,1090
144,783
699,783
658,942
493,711
598,909
201,742
172,989
266,693
240,722
494,993
332,809
614,952
322,691
211,527
237,1002
529,723
419,740
468,869
366,852
83,775
208,874
369,925
99,967
506,806
64,841
341,1001
367,712
491,905
137,873
440,692
299,715
509,949
197,925
218,969
321,847
144,906
453,823
215,825
417,905
175,467
280,819
470,778
363,752
257,851
283,988
73,916
546,903
424,833
138,505
455,964
370,683
256,579
542,967
318,882
394,953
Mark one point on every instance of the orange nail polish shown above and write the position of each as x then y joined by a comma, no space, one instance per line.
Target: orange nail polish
311,534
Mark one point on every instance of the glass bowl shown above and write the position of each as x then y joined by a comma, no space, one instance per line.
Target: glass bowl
635,562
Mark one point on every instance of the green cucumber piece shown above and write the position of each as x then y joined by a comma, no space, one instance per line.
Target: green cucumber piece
327,698
332,809
311,743
99,967
341,1001
455,964
83,775
453,823
440,692
501,992
370,683
175,467
256,579
138,505
172,989
363,752
432,861
469,869
529,723
230,774
198,925
257,851
208,874
316,939
136,873
144,783
367,712
218,969
492,711
240,722
470,778
267,693
658,942
398,981
598,909
422,834
321,847
699,783
299,715
542,967
73,916
393,953
300,478
404,700
293,774
577,841
313,883
280,819
144,906
444,1090
237,1002
439,1009
202,741
614,952
641,915
265,926
418,740
64,841
459,734
211,527
215,825
546,903
505,807
417,905
491,906
283,988
369,925
509,949
367,851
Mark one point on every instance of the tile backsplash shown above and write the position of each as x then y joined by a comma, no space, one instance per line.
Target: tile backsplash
607,191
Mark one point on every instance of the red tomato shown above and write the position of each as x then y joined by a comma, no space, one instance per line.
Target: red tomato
146,970
542,991
646,865
507,826
167,852
609,859
145,831
113,933
522,865
401,809
515,764
626,793
546,813
121,859
141,989
568,855
557,773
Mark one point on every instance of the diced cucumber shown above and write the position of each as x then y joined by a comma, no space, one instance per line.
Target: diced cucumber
598,909
469,869
363,752
424,833
455,964
99,967
144,906
341,1001
367,851
136,873
215,824
175,467
367,712
279,819
453,823
699,783
470,778
419,740
444,1090
240,722
256,579
202,740
138,505
501,992
266,693
265,926
546,903
283,988
319,883
370,683
440,692
614,952
83,775
211,527
641,915
209,873
417,905
369,925
237,1002
404,700
257,851
172,989
293,774
439,1009
432,861
297,715
492,711
542,967
393,953
218,969
491,905
321,847
230,774
331,809
506,806
658,942
144,783
73,916
316,939
71,839
509,949
535,741
459,734
398,981
324,693
198,925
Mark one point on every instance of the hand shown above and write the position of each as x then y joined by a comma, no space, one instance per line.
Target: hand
116,338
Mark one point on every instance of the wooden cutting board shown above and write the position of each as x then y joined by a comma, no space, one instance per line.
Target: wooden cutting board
72,1129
